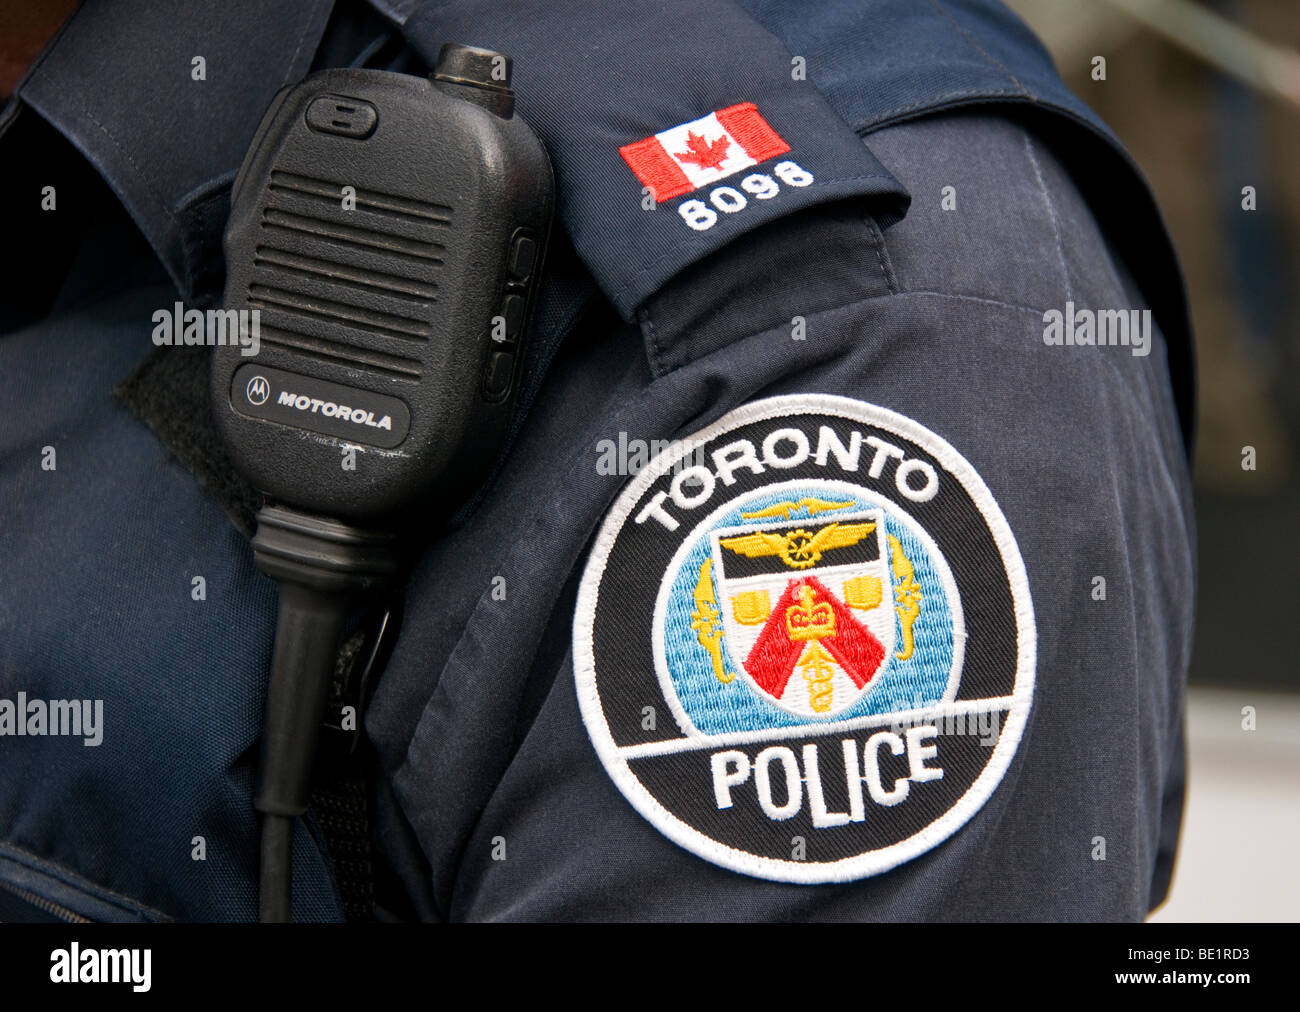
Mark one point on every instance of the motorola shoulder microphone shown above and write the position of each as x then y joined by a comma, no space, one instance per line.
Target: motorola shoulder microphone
386,235
388,230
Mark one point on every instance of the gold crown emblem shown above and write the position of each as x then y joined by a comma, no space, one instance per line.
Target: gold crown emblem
808,621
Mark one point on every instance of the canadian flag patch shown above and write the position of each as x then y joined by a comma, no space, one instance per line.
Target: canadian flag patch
683,158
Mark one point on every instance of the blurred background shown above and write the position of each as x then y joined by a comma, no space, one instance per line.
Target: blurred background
1206,96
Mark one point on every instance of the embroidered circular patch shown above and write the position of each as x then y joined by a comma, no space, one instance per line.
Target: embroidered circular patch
804,643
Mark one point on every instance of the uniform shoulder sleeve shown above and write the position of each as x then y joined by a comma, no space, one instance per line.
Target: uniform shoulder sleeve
674,128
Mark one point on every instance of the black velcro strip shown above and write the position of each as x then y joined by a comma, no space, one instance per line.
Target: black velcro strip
168,391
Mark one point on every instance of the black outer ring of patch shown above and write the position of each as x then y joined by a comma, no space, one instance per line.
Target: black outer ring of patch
627,681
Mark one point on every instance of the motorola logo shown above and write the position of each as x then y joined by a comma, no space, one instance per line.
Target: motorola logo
258,390
329,409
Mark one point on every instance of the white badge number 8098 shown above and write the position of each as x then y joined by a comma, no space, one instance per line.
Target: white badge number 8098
727,199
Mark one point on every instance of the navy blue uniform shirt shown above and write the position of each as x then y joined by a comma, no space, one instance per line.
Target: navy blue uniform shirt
885,203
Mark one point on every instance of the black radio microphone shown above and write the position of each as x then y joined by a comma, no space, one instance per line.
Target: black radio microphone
386,236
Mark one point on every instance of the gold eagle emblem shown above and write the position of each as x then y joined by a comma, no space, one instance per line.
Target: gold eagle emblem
799,548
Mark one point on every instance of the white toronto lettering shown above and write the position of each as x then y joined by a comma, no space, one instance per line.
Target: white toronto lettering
691,476
883,452
828,443
927,490
785,449
655,508
732,456
791,436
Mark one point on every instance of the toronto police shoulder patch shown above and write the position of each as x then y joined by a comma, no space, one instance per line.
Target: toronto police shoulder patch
826,600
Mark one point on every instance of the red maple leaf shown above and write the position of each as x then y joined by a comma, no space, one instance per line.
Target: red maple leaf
705,154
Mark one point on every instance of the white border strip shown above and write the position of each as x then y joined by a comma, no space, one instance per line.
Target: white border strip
909,718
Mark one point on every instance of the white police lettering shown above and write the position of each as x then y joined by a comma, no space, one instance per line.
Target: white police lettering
731,770
787,448
727,199
329,409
